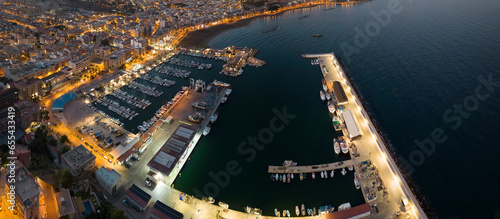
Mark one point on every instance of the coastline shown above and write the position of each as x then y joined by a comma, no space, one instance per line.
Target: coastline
200,38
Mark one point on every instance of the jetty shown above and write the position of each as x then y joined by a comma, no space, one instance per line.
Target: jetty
370,144
310,168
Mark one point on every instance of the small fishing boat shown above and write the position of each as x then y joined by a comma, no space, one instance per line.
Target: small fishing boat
228,91
284,213
301,176
345,150
223,100
314,175
224,205
209,199
206,131
350,168
336,146
287,213
317,35
326,175
194,118
328,95
332,174
297,211
214,117
288,178
322,174
303,210
356,182
343,171
284,178
291,175
331,107
314,211
325,87
276,212
281,178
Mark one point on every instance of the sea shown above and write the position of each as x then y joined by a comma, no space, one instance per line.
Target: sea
428,73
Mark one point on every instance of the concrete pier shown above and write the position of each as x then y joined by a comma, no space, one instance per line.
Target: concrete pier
370,146
311,168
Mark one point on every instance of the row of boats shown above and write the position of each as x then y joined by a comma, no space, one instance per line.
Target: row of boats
157,80
231,73
116,108
286,178
204,56
150,91
100,112
340,145
176,72
130,99
191,64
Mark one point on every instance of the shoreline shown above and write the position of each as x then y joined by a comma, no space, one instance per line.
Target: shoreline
200,38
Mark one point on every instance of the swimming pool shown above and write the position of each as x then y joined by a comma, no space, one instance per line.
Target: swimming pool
88,208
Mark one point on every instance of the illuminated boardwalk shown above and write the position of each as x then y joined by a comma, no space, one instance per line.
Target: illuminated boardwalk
311,168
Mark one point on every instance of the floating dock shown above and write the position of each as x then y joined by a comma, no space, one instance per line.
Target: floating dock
311,168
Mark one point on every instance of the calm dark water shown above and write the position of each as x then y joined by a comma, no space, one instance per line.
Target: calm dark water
424,62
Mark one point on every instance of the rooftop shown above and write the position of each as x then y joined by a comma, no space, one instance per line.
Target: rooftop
109,177
165,212
64,202
77,156
26,186
138,195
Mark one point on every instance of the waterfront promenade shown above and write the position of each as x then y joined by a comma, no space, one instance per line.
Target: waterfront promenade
371,146
311,168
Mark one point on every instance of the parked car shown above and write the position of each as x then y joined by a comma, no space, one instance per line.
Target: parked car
126,203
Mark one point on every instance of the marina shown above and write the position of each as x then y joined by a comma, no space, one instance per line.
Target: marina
116,108
150,91
176,72
157,80
130,99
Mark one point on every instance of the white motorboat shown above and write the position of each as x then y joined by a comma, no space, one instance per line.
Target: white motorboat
328,95
291,175
331,107
214,117
325,87
322,95
297,211
224,205
224,99
343,171
336,146
326,175
350,168
206,131
228,91
345,150
276,212
344,206
313,175
356,182
287,213
332,174
322,174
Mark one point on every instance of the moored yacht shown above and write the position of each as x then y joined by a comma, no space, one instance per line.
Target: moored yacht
343,171
206,131
336,146
332,174
303,210
214,117
322,174
356,182
322,95
297,211
343,145
331,107
328,95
